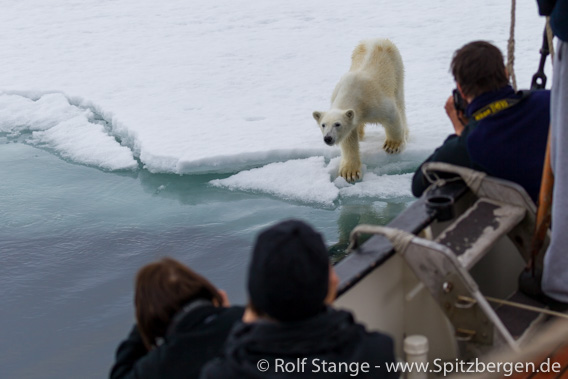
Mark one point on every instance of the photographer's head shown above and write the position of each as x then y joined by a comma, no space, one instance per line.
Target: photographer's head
477,68
162,289
290,277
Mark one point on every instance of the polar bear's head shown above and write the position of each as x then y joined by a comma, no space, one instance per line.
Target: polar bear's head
335,124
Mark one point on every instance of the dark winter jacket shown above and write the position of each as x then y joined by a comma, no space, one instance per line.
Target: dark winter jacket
510,144
558,12
276,350
197,338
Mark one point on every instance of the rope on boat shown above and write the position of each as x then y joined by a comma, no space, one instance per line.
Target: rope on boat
400,239
527,307
511,47
472,178
550,36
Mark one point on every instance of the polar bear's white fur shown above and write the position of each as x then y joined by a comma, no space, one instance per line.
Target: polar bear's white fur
371,92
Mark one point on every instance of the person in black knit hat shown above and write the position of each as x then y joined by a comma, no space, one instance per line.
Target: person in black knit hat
289,329
289,272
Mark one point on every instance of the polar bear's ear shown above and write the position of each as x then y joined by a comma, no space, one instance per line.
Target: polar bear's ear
350,114
317,115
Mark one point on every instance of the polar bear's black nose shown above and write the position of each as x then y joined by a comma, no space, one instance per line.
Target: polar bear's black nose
328,140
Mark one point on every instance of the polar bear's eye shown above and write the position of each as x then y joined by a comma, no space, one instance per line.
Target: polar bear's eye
323,125
337,124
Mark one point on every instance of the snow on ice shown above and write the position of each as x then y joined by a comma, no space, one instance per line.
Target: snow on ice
229,86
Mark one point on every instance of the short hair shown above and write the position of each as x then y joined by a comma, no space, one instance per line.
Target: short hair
162,289
478,67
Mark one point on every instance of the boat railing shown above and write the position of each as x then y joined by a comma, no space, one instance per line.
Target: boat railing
438,203
460,218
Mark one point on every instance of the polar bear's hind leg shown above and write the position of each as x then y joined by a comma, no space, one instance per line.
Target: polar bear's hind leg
395,127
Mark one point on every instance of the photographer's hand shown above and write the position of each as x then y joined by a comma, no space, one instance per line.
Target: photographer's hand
455,117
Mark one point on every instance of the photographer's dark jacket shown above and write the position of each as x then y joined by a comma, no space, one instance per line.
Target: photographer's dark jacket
558,12
195,339
510,144
332,336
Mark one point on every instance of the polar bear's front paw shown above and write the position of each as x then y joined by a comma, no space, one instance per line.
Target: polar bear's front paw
392,147
351,172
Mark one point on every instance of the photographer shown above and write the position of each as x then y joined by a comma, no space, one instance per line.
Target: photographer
290,329
182,322
500,132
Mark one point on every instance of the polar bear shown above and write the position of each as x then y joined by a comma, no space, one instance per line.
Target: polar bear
371,92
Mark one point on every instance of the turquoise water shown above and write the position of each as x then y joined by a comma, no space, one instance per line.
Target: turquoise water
73,237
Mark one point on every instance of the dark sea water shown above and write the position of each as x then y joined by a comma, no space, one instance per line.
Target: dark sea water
72,238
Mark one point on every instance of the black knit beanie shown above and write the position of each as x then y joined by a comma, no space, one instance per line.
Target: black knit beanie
289,272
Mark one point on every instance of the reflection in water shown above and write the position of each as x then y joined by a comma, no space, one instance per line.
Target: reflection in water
351,215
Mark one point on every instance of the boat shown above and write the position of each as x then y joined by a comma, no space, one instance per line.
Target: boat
447,269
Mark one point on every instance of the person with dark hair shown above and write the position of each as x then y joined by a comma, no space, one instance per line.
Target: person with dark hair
555,273
290,330
182,322
498,131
